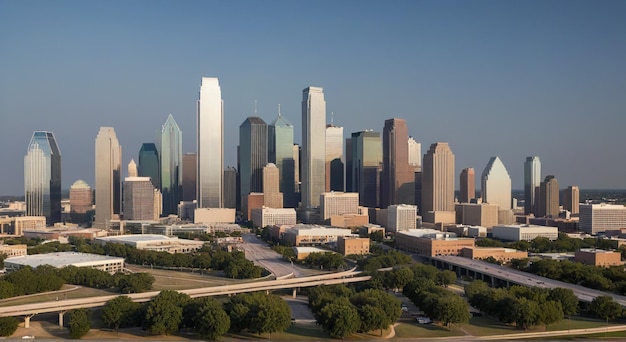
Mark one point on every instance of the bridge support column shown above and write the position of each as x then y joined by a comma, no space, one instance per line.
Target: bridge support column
61,318
27,321
293,295
267,292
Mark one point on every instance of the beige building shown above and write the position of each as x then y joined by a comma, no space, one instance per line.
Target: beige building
152,242
108,178
255,200
81,197
431,243
349,220
515,232
23,223
338,203
597,218
477,214
467,186
504,255
598,257
369,229
467,231
438,184
138,198
548,201
347,245
312,235
13,250
272,197
401,217
571,199
214,215
263,217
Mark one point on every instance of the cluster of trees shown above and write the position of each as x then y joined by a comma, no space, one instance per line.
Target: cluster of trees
543,245
326,260
171,311
600,278
523,306
383,260
341,311
234,264
8,326
45,278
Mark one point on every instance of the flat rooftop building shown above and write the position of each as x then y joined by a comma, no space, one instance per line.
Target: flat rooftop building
153,242
64,259
515,232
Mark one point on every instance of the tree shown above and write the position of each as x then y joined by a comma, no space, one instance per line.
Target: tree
79,323
8,325
7,289
446,278
550,312
567,298
136,282
211,321
526,312
474,288
164,313
120,312
340,320
259,313
377,309
451,309
604,307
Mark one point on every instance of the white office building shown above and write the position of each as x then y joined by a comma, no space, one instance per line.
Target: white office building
401,217
313,182
210,140
338,203
596,218
525,232
263,217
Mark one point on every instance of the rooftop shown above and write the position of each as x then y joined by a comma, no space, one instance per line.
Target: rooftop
60,259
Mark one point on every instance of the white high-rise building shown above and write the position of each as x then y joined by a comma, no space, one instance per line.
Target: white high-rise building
597,218
42,177
210,143
401,217
108,177
338,203
415,154
496,184
313,147
532,181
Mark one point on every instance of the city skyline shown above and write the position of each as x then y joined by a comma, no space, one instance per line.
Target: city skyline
527,79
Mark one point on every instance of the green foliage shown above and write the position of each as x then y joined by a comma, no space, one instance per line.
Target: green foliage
446,277
384,260
121,312
7,289
327,260
79,323
599,278
27,280
8,325
378,236
135,282
208,317
387,309
340,319
258,313
164,313
451,309
2,257
567,299
50,247
604,307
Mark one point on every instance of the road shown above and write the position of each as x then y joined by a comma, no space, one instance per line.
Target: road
258,252
527,279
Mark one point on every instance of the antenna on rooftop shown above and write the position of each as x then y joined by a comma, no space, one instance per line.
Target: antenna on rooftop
255,107
279,109
332,118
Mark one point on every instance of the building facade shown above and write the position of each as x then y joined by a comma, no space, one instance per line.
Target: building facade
252,156
523,232
398,177
334,159
139,199
532,181
548,202
263,217
171,158
190,169
42,177
496,184
597,218
313,147
401,217
438,184
467,186
477,214
230,188
149,164
338,203
210,144
272,197
366,167
571,199
353,245
108,180
280,152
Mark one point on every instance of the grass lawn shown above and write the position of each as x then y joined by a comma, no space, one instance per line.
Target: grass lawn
410,330
294,333
485,326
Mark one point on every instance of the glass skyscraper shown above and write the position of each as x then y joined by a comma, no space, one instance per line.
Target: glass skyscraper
334,158
149,165
280,152
108,177
171,158
42,177
313,147
532,181
367,154
398,177
210,143
252,157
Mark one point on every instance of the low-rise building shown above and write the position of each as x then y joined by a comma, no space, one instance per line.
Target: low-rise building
477,214
598,257
515,232
431,242
401,217
596,218
348,245
13,250
369,229
504,255
214,215
338,203
152,242
348,220
313,235
64,259
303,252
264,216
467,231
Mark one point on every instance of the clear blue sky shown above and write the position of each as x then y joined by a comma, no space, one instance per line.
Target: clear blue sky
492,78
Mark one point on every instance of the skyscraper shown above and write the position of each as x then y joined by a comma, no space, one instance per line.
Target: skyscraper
272,197
210,142
549,201
230,188
149,165
438,184
189,176
108,177
138,198
313,147
42,177
398,183
171,157
467,186
280,152
415,154
367,157
571,199
132,169
81,201
496,184
348,154
532,180
252,156
334,158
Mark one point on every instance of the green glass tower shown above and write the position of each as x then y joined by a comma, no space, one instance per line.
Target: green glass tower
171,155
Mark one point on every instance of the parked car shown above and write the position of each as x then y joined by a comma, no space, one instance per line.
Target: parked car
423,320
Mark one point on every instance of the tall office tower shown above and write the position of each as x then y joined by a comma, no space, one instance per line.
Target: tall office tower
438,184
189,176
367,155
571,199
42,177
334,158
349,165
338,203
280,152
252,157
108,177
138,198
313,147
149,165
81,201
210,141
296,170
398,183
467,190
171,153
548,203
230,188
532,180
415,154
496,184
132,169
401,217
272,197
